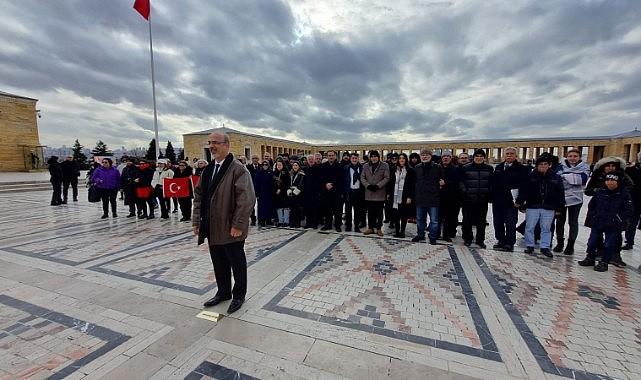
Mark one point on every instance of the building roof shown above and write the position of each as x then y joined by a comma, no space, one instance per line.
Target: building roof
229,130
634,133
2,93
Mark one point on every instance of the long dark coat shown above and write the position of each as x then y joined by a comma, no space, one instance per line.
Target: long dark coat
264,188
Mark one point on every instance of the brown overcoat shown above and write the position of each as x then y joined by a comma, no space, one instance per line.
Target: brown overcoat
230,205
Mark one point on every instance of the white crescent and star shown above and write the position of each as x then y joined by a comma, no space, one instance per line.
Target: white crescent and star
171,188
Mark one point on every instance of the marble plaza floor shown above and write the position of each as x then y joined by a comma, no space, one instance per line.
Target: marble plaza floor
82,297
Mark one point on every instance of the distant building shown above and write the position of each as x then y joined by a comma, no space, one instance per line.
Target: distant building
20,148
626,145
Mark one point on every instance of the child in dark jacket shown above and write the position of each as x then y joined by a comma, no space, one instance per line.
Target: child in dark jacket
609,213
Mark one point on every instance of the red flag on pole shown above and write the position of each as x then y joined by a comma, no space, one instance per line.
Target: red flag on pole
175,187
143,7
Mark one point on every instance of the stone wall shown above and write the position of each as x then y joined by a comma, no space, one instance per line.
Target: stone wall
19,135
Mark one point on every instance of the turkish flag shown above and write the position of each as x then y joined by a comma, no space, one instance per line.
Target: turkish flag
175,187
143,7
194,181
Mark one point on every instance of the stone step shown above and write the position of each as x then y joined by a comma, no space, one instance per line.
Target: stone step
15,187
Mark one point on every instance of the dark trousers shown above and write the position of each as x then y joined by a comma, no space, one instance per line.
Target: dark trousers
162,202
333,210
399,216
229,259
295,211
375,214
57,190
448,211
143,203
505,218
632,228
108,197
185,207
355,203
74,189
311,209
611,244
474,214
571,214
388,211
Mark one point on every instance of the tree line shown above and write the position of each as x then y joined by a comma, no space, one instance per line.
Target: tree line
101,149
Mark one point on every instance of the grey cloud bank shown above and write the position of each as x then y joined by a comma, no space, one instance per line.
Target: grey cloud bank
330,71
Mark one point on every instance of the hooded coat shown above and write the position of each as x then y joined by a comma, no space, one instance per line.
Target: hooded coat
597,180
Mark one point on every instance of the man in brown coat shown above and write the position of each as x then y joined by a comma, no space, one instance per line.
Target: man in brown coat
223,202
374,177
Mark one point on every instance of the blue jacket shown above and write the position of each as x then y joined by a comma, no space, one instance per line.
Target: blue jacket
610,210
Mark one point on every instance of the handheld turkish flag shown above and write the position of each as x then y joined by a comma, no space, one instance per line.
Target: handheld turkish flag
143,7
194,181
175,187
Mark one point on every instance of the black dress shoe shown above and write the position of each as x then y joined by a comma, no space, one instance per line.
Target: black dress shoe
234,306
215,301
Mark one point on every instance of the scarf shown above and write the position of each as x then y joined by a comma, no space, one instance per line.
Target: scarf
356,176
398,186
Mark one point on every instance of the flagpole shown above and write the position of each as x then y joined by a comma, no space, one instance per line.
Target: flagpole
153,89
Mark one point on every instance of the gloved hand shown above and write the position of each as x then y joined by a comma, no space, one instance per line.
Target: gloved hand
289,192
295,190
372,187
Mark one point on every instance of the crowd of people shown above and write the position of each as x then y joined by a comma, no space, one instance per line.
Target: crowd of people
361,194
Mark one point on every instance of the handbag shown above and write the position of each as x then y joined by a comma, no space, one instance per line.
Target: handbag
94,194
144,192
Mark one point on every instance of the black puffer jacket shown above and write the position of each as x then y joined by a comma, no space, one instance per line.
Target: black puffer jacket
476,182
542,191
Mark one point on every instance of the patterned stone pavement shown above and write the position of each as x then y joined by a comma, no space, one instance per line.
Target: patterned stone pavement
119,298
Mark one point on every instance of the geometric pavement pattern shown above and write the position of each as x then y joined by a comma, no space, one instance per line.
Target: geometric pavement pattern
181,264
414,292
578,323
37,342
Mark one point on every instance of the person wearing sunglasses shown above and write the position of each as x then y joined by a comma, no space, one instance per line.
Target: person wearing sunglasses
107,179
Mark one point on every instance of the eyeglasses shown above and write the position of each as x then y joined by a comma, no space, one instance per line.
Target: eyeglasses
216,142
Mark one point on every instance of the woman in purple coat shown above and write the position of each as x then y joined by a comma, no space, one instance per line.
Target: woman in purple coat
107,179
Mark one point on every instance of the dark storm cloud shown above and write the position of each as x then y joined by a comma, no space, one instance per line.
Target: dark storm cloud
348,73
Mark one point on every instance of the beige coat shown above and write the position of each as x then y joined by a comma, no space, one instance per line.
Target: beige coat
230,206
378,177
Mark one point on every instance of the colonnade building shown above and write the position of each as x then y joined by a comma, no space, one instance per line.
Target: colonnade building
625,145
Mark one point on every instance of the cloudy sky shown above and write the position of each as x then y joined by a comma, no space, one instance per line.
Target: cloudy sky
325,71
